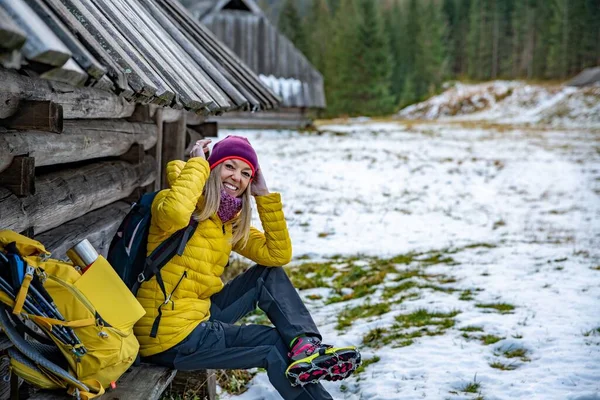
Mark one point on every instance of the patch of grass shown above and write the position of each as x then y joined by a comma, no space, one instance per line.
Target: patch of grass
311,275
490,339
519,353
502,366
396,338
471,387
597,268
411,273
366,363
471,328
422,317
466,295
349,315
438,288
592,332
391,291
234,381
437,258
502,308
314,297
257,316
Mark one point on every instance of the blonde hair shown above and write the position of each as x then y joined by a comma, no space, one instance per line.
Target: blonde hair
210,205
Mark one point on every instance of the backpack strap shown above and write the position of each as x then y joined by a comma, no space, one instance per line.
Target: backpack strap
175,244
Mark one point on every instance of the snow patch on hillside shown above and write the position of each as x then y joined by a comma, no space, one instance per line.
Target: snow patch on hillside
512,102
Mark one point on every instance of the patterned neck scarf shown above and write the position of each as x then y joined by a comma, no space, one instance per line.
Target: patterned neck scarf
229,207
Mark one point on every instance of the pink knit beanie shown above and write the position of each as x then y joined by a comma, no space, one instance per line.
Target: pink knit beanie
234,147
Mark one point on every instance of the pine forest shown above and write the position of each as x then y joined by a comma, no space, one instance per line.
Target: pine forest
378,56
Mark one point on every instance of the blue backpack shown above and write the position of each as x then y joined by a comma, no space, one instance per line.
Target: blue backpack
128,248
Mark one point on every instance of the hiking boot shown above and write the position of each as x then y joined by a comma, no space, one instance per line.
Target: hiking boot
313,361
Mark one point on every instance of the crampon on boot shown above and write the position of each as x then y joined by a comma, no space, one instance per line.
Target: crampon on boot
313,361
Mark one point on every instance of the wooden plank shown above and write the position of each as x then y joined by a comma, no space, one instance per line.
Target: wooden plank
159,49
80,54
80,140
244,79
146,382
195,53
174,135
98,226
70,193
70,73
19,177
45,116
158,116
140,78
134,155
76,102
42,45
11,36
90,39
207,129
105,44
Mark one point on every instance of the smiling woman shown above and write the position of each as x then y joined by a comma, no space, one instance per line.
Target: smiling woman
193,325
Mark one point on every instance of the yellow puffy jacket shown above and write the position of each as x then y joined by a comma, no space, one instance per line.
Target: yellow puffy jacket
196,275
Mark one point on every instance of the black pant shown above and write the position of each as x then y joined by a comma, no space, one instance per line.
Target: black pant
218,343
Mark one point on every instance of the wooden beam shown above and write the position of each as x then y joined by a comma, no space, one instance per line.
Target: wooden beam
80,140
80,53
98,226
174,135
158,149
142,113
134,155
11,36
67,194
42,45
76,102
207,129
146,382
19,177
45,116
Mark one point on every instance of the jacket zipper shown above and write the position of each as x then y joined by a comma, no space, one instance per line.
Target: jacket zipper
174,289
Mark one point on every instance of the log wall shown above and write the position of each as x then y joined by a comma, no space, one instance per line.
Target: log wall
72,160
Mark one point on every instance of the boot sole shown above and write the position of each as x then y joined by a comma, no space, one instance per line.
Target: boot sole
335,364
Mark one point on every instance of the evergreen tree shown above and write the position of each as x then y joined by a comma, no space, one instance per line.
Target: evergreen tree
430,65
318,32
450,9
411,89
289,25
374,63
393,27
342,77
463,9
558,64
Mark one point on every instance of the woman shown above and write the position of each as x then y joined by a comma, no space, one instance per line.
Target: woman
193,327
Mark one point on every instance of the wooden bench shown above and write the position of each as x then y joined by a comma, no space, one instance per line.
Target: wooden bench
144,382
148,382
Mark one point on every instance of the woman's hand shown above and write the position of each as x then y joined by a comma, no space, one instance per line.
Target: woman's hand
200,149
259,185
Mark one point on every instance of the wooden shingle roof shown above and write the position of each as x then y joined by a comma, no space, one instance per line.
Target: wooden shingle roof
148,51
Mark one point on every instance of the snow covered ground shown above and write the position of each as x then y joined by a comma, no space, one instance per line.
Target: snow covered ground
515,211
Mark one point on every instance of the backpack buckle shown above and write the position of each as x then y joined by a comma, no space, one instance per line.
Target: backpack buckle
141,278
29,270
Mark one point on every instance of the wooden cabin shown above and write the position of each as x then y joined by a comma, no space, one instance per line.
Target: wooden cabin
244,28
96,96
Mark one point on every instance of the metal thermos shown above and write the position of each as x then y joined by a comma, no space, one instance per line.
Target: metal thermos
83,254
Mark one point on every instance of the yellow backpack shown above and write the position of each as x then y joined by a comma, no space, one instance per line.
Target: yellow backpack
94,333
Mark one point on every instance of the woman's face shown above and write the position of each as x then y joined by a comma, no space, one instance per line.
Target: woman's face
235,176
